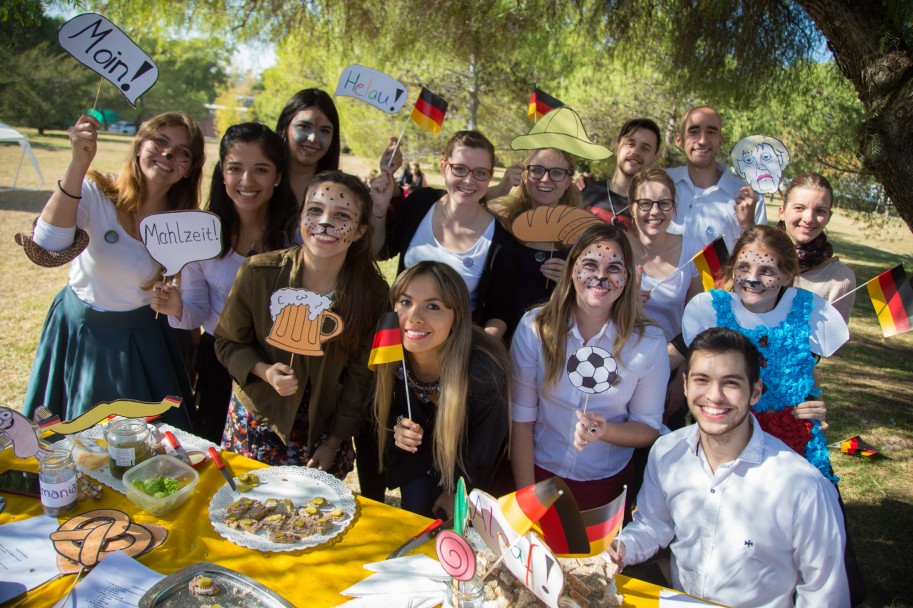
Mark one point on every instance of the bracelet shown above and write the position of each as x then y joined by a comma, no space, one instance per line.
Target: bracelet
335,449
78,198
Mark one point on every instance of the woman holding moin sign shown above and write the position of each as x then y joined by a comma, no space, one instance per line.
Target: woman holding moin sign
304,409
251,196
559,430
454,419
101,340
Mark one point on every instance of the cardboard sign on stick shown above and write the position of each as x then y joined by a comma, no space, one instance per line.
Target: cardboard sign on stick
760,160
552,224
299,318
175,238
372,87
102,47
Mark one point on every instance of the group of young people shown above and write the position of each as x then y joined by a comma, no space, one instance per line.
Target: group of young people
487,322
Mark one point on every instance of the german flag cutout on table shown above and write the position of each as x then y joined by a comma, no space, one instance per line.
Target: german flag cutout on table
388,342
709,262
429,111
892,297
540,104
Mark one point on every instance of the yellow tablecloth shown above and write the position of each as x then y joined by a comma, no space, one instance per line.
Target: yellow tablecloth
311,578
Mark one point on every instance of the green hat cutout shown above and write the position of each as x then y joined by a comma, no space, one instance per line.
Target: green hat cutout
561,129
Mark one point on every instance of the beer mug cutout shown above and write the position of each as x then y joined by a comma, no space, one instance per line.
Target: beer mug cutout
299,319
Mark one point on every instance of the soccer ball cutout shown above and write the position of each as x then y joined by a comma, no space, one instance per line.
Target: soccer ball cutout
592,370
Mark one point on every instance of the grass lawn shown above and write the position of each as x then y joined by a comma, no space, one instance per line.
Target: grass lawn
868,384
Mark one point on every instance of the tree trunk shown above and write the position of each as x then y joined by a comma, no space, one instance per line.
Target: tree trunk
876,59
473,91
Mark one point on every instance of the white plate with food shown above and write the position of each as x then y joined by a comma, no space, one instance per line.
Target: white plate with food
290,508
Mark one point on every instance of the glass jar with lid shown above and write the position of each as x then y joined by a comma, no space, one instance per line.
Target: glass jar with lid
57,482
129,443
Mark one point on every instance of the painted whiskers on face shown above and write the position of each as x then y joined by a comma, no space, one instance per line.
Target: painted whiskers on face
599,275
757,278
330,220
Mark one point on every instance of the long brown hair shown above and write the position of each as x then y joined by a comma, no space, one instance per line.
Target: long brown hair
127,189
553,322
359,278
453,360
523,202
769,238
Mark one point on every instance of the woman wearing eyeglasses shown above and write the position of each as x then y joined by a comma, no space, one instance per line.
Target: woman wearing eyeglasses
546,181
657,253
454,227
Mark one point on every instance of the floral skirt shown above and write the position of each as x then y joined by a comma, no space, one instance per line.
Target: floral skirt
249,436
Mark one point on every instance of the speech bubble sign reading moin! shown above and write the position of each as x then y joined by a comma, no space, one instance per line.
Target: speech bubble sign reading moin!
372,87
176,238
99,45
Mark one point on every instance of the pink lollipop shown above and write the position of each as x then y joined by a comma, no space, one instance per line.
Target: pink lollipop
455,555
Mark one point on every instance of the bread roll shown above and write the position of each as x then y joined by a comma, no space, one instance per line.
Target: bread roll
552,224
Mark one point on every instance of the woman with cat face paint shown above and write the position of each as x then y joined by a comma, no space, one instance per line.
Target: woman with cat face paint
557,430
303,410
791,327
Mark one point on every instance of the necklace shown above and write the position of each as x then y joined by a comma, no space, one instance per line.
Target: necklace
252,248
425,391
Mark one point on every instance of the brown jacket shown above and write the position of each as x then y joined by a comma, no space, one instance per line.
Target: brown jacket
339,386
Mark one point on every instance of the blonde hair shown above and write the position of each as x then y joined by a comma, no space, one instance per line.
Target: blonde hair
453,359
553,322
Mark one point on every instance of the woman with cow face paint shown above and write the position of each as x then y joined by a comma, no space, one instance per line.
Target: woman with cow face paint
595,303
791,328
303,410
101,340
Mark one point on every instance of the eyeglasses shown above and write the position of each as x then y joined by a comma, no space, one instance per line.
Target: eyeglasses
556,174
645,204
479,174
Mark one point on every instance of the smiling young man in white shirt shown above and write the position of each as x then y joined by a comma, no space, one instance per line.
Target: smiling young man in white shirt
749,522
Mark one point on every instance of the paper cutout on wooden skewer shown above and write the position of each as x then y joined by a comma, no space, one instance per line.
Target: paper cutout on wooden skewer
176,238
552,224
760,161
299,319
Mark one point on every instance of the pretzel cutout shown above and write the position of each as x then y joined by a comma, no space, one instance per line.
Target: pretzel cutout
88,538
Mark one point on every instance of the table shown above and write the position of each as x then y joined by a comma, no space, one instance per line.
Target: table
378,530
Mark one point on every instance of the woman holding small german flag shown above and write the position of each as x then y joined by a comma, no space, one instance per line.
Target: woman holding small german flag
455,227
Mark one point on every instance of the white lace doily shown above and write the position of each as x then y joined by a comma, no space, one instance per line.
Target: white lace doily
300,484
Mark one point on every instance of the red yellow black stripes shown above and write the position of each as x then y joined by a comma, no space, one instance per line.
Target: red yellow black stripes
526,506
388,342
603,524
709,262
429,111
892,297
541,103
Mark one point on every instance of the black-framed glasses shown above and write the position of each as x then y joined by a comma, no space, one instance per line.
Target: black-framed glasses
556,174
480,174
645,204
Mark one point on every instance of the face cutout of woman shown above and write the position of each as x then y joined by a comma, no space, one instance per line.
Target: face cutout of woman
310,135
806,214
538,180
424,319
599,276
250,176
165,158
655,220
757,279
330,220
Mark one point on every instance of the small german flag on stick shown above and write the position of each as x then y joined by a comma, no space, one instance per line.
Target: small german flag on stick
429,111
709,262
892,297
540,104
388,342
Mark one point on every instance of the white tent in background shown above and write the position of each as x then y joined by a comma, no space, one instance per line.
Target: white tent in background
7,133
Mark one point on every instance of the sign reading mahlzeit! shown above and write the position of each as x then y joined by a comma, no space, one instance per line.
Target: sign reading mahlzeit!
102,47
176,238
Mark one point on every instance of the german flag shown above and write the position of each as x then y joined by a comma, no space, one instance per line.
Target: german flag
388,342
602,524
562,528
523,508
892,298
855,446
709,262
540,104
429,111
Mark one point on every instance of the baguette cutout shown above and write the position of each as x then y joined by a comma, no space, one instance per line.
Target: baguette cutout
552,224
